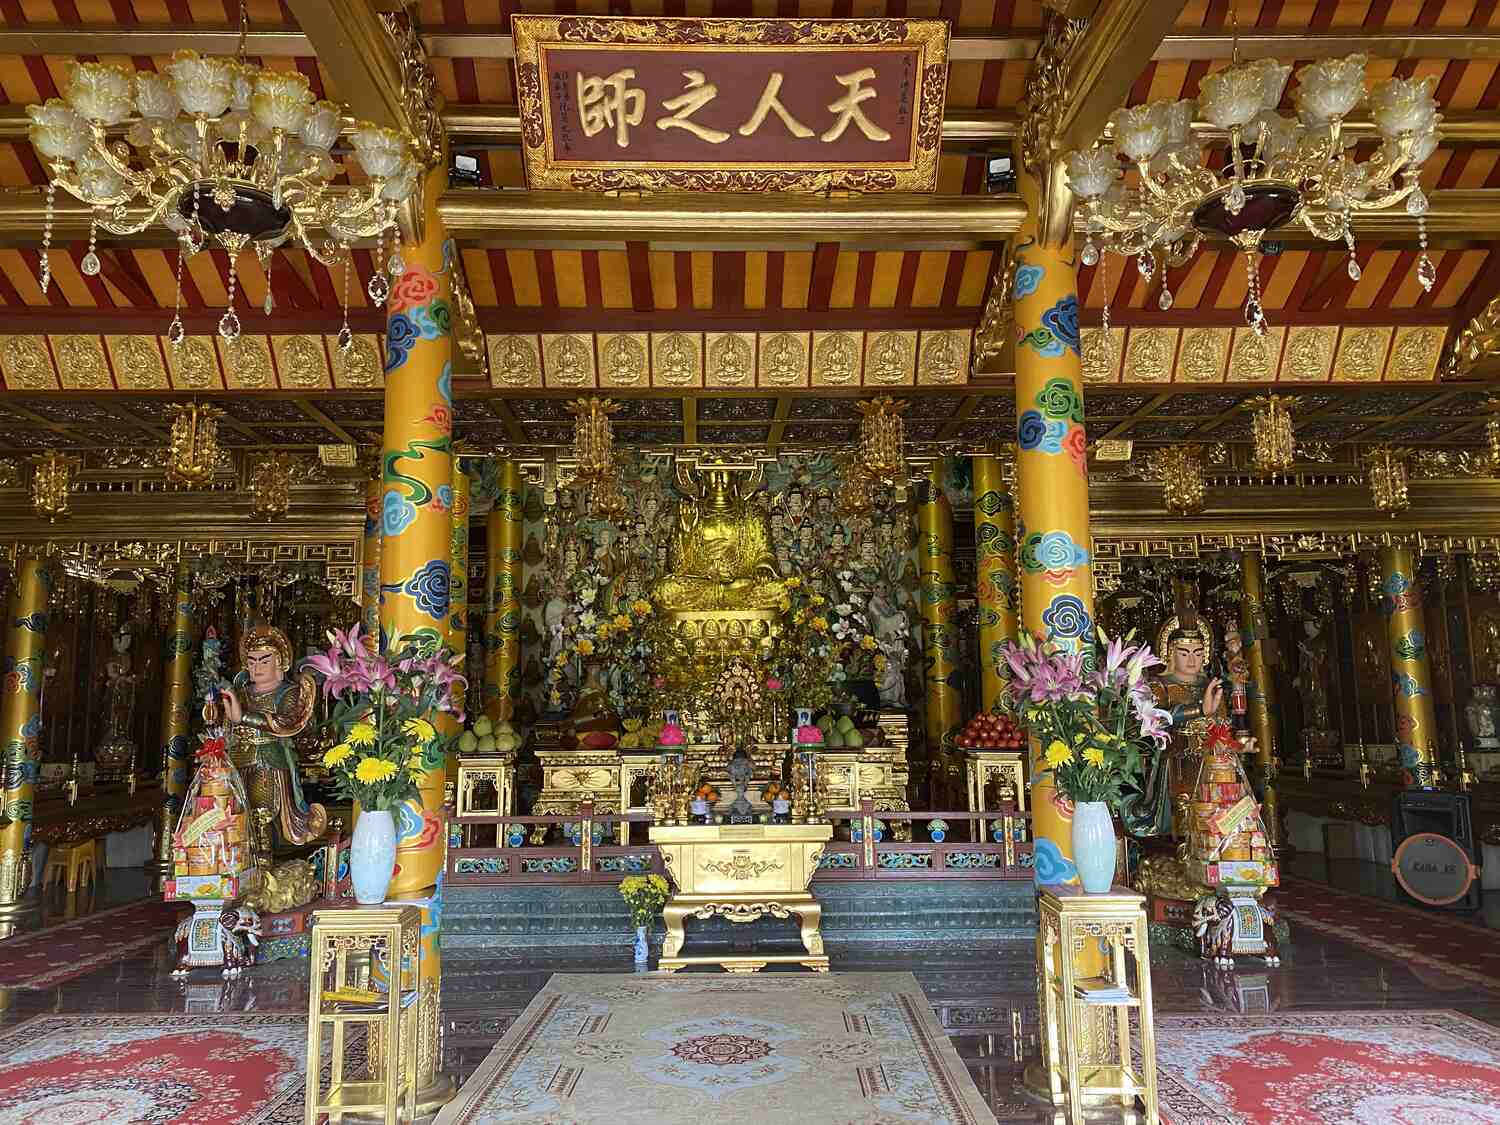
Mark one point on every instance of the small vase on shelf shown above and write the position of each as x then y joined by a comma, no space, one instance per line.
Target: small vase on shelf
1094,846
372,856
642,947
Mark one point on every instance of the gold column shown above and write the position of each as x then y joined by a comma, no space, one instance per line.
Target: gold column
995,587
1057,589
369,587
176,717
1411,675
935,591
1262,689
21,728
502,596
416,563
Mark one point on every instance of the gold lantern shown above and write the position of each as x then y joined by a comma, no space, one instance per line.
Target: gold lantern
882,437
194,453
1271,427
1492,433
606,500
51,484
1387,473
1183,487
270,485
593,439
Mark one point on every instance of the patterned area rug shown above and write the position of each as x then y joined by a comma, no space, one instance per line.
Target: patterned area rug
1418,937
58,953
1328,1068
237,1068
842,1049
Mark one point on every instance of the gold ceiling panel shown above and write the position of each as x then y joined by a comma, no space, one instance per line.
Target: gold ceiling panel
195,365
26,363
302,362
363,368
1102,352
731,359
943,358
890,359
1415,354
138,362
1361,355
1309,354
677,359
81,363
1204,354
247,363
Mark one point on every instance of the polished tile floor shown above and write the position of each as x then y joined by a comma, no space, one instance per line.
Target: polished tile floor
984,996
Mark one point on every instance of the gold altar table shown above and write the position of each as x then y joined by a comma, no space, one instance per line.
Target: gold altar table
743,872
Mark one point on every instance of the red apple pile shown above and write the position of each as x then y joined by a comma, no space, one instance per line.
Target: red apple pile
991,732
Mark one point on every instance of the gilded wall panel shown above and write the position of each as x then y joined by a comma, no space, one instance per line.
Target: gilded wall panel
1203,355
361,368
194,366
624,359
27,364
837,359
1309,354
81,364
943,358
1255,357
138,362
783,359
568,360
1415,354
247,363
1102,352
515,361
1149,353
1361,354
301,361
677,359
890,359
730,359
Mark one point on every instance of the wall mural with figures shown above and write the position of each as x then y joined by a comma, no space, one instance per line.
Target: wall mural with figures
849,546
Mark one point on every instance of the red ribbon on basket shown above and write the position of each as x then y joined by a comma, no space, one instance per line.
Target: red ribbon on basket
213,752
1221,737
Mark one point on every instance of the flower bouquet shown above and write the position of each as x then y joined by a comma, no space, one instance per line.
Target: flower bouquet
622,642
383,703
1092,712
822,647
645,895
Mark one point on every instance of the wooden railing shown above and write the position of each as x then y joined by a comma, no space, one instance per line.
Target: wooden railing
580,860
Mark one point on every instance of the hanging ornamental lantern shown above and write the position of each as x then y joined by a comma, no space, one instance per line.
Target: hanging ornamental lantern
1275,444
271,486
882,440
51,484
606,499
1183,486
1492,434
1387,472
593,439
194,454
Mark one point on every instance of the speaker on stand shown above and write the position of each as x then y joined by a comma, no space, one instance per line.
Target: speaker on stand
1432,833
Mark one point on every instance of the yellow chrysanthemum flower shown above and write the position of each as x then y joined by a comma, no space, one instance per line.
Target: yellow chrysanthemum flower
641,606
818,599
560,659
420,729
622,621
337,754
792,583
867,643
362,734
1058,753
1094,756
585,647
799,617
372,770
880,662
604,631
820,624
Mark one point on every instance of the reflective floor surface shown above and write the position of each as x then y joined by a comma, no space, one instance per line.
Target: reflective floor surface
984,996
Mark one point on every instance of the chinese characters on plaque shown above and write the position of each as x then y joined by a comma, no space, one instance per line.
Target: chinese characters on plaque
731,105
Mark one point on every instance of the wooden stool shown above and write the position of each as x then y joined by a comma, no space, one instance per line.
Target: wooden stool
70,862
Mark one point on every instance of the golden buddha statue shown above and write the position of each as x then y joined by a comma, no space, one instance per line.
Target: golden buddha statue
721,556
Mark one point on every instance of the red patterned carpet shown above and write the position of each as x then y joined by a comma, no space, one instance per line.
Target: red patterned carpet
1328,1068
242,1068
62,952
1438,939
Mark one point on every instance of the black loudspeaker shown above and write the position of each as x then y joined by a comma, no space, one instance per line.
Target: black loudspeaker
1418,811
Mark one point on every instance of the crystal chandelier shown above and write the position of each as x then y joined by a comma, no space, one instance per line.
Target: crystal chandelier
882,437
1183,487
218,148
1279,170
593,439
193,457
1271,427
51,484
1387,473
270,485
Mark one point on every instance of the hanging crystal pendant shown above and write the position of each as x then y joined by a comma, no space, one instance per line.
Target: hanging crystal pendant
1426,272
1164,299
1355,273
1146,264
379,288
1234,201
90,264
1416,203
397,265
346,339
270,303
1090,252
229,326
176,332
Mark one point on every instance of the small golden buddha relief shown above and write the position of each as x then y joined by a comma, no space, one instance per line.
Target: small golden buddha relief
27,364
138,362
194,366
1309,354
1414,357
568,360
1204,354
783,359
677,359
837,359
1255,357
890,358
302,361
81,363
247,362
943,358
1148,355
514,362
1361,354
623,359
1101,354
731,359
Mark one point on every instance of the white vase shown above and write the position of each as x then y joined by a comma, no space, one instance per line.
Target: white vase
1094,846
372,856
642,949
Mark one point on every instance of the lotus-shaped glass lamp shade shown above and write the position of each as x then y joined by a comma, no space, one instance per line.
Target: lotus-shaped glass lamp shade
1330,88
98,182
1231,97
99,92
1140,131
400,186
1273,80
154,96
281,100
57,132
1178,118
321,126
204,85
380,151
1091,171
1403,105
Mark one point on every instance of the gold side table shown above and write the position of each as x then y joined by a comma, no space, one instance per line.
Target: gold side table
498,769
742,872
1005,767
353,946
1087,1043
